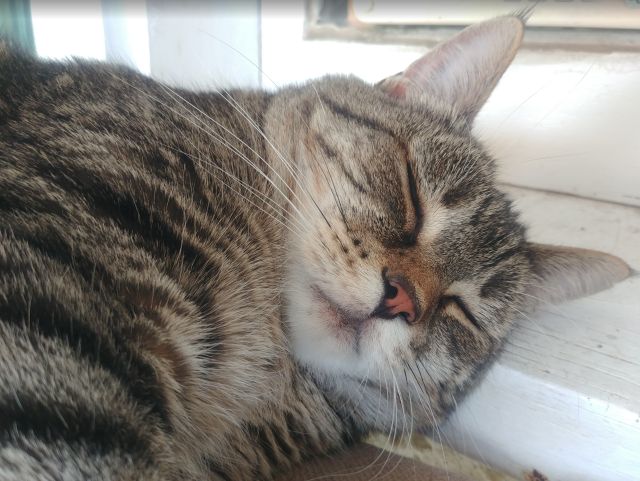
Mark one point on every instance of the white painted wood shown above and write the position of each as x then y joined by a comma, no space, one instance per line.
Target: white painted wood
565,397
568,122
205,45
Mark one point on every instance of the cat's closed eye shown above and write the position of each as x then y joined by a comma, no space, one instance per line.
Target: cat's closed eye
454,307
415,217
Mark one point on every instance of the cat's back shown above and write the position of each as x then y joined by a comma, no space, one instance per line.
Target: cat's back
133,273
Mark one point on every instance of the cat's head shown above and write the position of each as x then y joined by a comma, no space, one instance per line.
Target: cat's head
407,266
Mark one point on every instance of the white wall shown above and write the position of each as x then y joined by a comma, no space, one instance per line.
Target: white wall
126,34
205,44
72,28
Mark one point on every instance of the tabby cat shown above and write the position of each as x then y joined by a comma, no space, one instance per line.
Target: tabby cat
218,285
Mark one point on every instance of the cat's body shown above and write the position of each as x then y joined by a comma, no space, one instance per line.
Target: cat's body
218,285
146,264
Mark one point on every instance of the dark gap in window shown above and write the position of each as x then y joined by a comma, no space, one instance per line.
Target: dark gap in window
333,12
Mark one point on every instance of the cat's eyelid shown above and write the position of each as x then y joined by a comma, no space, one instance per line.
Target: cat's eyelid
412,235
463,309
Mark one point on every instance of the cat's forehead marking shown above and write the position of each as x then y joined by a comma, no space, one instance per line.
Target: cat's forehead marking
369,122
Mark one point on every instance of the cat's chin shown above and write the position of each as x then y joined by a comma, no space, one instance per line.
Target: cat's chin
331,342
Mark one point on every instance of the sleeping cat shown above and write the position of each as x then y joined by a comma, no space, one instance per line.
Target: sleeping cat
218,285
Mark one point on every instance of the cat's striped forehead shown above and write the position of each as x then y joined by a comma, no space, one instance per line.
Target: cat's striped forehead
369,142
371,130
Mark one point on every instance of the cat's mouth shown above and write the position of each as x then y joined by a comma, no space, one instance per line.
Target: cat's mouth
342,323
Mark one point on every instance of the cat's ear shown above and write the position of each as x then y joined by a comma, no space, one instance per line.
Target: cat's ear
565,273
463,71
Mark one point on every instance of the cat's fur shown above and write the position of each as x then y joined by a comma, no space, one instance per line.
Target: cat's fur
198,285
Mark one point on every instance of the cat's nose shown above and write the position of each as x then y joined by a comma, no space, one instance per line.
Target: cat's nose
397,301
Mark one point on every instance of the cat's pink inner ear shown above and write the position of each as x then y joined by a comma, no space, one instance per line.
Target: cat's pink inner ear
565,273
415,79
463,71
397,88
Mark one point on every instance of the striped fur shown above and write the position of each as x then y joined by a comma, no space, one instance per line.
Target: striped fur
187,280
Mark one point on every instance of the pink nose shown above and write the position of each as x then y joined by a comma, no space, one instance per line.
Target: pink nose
401,303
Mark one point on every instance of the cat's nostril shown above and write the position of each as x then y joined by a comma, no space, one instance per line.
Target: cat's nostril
397,301
390,291
401,303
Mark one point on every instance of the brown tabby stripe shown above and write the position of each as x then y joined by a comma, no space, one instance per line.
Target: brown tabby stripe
49,421
350,116
52,318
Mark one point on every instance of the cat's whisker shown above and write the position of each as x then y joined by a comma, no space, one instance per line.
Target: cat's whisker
208,163
455,402
278,151
277,86
228,145
398,395
424,390
558,289
418,360
534,323
546,288
491,137
378,410
394,427
400,399
582,332
285,222
553,157
241,54
560,311
289,164
252,123
357,390
319,100
428,409
329,180
411,416
261,196
218,138
348,472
